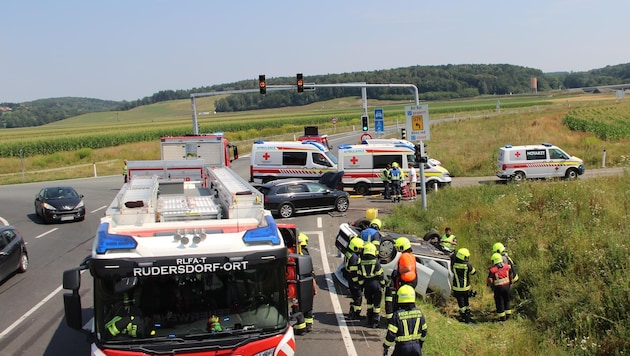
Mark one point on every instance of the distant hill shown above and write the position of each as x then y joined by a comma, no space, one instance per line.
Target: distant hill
44,111
434,83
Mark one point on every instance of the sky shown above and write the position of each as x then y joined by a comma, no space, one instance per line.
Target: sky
129,49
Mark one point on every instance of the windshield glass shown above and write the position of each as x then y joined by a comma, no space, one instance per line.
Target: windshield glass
332,157
194,304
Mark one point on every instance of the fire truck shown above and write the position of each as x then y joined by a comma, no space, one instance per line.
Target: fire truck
191,264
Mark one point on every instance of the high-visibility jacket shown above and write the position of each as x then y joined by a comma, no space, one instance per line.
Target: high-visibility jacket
462,270
508,260
408,329
370,269
500,275
446,242
396,174
385,175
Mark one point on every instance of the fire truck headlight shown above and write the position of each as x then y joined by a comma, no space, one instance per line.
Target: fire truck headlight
268,352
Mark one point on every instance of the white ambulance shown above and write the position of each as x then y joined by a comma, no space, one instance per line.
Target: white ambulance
518,163
362,166
272,160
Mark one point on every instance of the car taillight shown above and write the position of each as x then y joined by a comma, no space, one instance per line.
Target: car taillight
504,167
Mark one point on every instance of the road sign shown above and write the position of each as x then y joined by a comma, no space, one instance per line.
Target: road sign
379,120
417,122
334,120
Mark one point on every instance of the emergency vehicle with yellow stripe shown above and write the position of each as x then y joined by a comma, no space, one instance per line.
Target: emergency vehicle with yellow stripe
188,262
363,165
518,163
272,160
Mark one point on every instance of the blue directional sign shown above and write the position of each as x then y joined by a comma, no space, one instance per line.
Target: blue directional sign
379,120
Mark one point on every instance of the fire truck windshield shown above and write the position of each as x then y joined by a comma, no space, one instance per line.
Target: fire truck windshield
164,303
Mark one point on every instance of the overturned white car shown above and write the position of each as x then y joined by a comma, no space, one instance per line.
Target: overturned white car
433,265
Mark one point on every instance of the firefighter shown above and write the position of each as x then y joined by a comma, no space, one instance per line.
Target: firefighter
303,250
125,172
500,249
462,290
404,274
499,279
372,233
408,327
387,182
353,262
449,241
397,176
372,280
127,320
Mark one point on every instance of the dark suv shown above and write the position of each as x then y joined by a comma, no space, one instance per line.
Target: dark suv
13,255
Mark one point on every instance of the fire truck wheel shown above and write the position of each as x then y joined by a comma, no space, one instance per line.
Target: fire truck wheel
342,204
286,210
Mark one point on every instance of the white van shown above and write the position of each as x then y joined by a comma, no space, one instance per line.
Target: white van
272,160
362,166
518,163
393,141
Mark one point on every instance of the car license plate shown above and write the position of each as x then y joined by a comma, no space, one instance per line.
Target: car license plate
67,217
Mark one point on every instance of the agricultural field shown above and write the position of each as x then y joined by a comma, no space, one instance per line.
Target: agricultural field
106,138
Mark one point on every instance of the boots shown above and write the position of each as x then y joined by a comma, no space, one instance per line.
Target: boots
376,320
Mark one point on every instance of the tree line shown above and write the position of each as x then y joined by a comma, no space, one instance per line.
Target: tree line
440,82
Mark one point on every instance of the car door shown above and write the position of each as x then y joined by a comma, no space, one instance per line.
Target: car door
320,195
9,253
300,196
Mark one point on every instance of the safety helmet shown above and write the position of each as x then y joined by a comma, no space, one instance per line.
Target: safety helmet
355,244
395,165
369,249
498,247
496,258
402,244
406,294
463,254
376,223
303,239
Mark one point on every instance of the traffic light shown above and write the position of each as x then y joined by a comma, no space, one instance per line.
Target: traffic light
364,123
403,133
262,85
300,83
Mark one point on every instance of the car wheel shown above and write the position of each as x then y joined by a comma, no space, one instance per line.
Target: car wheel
23,263
361,188
432,236
286,210
571,174
518,177
342,204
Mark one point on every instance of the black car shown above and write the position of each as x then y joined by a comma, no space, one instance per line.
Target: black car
285,197
58,204
13,255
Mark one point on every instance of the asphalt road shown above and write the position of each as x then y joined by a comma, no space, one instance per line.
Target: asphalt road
32,320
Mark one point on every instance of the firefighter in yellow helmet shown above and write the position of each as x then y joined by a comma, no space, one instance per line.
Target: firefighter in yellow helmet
405,273
372,280
353,263
462,290
499,279
304,321
397,176
407,328
372,233
500,249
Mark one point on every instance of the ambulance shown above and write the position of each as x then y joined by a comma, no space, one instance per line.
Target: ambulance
518,163
272,160
362,166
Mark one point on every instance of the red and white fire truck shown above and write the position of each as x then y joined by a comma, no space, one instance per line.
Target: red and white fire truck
191,264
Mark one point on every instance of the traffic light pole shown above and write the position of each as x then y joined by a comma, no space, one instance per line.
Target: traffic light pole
310,86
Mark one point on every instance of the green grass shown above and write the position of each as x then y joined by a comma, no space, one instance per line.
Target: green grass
568,240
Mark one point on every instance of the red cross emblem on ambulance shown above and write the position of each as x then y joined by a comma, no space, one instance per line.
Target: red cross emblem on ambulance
354,160
266,156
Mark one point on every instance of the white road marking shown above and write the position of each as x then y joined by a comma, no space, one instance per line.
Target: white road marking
28,313
319,222
101,208
46,233
341,321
